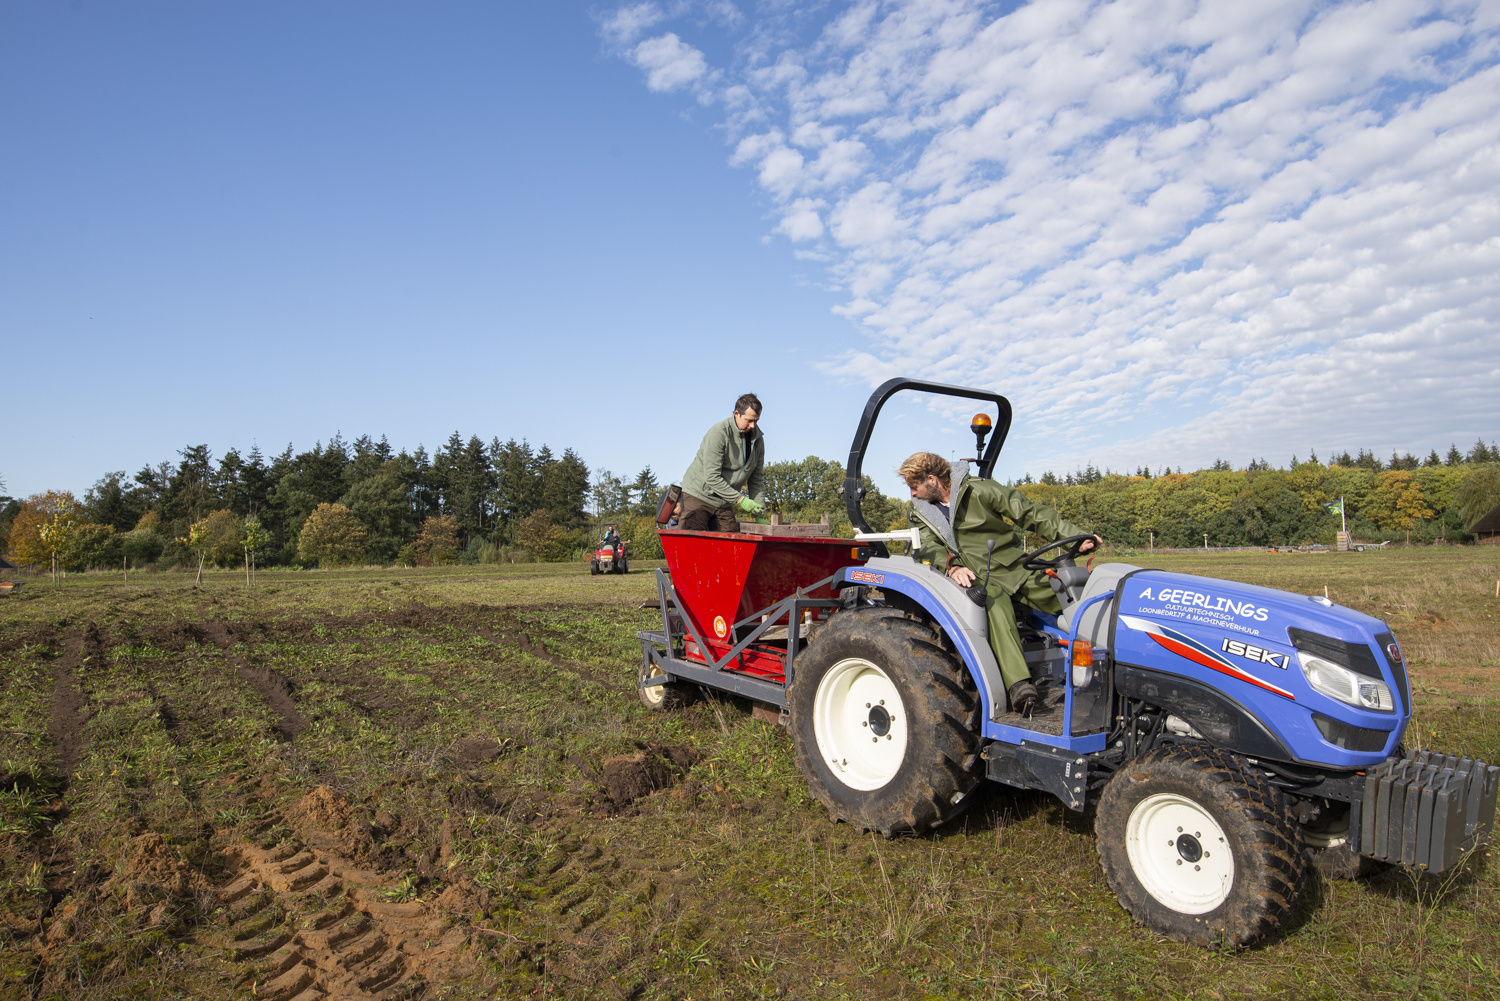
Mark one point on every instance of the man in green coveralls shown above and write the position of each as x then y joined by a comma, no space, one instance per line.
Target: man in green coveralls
727,476
957,516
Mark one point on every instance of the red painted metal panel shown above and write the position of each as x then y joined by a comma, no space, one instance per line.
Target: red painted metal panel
722,577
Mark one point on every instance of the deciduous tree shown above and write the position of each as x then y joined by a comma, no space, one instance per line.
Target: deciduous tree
541,538
437,543
41,527
217,538
88,545
1398,502
331,535
1478,494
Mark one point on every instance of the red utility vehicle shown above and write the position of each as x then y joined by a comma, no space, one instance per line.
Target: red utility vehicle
609,554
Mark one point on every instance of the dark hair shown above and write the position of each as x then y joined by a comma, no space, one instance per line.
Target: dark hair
747,402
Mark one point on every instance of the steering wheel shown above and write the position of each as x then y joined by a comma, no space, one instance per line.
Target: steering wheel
1073,544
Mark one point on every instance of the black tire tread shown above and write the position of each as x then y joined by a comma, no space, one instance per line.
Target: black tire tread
950,769
1277,875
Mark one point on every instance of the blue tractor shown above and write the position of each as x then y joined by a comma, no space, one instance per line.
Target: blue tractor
1229,738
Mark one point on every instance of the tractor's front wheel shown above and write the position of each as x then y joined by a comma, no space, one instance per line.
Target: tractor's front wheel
885,723
594,568
1199,847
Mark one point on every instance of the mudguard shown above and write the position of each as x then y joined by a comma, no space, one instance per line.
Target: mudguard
902,579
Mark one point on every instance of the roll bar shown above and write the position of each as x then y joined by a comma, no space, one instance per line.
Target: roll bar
854,490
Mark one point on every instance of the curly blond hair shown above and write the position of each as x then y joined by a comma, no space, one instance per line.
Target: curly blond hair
920,465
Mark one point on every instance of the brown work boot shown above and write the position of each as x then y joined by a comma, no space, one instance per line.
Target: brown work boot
1022,696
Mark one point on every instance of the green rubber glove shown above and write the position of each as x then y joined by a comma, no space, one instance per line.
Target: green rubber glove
749,505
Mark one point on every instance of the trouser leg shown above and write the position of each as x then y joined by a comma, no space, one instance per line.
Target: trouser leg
1037,592
1005,641
696,514
725,520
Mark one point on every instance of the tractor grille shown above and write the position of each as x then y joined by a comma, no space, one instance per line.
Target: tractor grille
1426,809
1351,738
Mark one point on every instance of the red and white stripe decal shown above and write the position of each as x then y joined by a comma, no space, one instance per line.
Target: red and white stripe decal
1186,646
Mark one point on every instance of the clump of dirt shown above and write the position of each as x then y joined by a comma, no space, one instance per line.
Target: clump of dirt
155,868
320,808
626,778
327,820
472,750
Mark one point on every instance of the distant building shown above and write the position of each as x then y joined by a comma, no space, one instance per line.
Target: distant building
1488,527
6,564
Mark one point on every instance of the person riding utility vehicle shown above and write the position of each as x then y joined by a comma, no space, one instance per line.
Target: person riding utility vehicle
958,516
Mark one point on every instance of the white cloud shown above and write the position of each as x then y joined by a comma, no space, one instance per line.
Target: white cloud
669,62
869,216
628,23
801,222
1222,227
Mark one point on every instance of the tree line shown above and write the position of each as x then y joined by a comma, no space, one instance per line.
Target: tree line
466,502
1435,500
471,502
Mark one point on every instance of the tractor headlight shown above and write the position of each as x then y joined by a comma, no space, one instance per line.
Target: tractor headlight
1345,685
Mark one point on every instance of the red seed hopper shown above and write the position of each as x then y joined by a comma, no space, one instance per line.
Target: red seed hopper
735,596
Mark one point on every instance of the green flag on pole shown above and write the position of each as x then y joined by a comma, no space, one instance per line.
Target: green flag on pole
1335,507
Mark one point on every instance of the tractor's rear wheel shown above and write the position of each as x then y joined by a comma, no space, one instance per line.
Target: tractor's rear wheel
1199,847
885,723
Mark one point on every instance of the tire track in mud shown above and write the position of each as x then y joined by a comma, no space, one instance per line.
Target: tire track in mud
350,941
271,685
580,908
69,709
512,632
310,925
274,687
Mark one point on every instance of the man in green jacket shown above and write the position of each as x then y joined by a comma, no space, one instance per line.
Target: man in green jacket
957,516
727,477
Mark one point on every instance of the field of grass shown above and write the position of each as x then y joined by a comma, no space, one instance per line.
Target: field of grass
439,783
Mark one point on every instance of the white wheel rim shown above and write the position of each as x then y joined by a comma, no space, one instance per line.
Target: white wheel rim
859,722
656,693
1179,853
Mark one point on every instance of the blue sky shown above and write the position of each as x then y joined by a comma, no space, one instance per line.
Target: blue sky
1169,231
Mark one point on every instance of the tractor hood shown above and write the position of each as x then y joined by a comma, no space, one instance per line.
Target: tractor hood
1284,659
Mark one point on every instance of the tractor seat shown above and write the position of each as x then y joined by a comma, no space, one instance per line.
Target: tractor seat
1095,627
